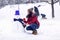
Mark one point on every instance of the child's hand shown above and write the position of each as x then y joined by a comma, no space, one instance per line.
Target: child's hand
24,19
27,24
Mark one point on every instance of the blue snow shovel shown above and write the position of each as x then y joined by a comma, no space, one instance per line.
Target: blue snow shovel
17,12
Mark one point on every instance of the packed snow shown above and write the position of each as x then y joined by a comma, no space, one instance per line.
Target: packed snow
49,28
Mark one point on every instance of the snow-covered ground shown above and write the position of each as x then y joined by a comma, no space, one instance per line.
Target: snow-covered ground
49,28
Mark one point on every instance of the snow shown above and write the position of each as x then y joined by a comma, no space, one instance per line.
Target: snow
49,28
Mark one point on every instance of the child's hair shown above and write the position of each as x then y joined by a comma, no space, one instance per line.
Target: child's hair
29,13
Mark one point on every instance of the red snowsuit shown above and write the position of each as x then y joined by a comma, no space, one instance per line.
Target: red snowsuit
32,19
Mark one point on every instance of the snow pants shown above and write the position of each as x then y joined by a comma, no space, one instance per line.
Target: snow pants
33,26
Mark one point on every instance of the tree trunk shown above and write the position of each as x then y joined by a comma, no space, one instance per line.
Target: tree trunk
52,5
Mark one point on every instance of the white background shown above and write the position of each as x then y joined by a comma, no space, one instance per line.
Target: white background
49,28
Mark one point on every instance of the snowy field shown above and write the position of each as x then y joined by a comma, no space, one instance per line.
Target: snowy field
49,28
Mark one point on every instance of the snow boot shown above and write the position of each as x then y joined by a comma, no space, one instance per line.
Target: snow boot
34,32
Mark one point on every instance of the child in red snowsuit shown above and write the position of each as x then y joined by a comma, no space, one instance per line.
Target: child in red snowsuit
32,21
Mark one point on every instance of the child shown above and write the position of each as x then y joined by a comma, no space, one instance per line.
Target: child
32,21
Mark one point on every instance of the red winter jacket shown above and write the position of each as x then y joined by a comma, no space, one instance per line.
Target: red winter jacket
32,19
